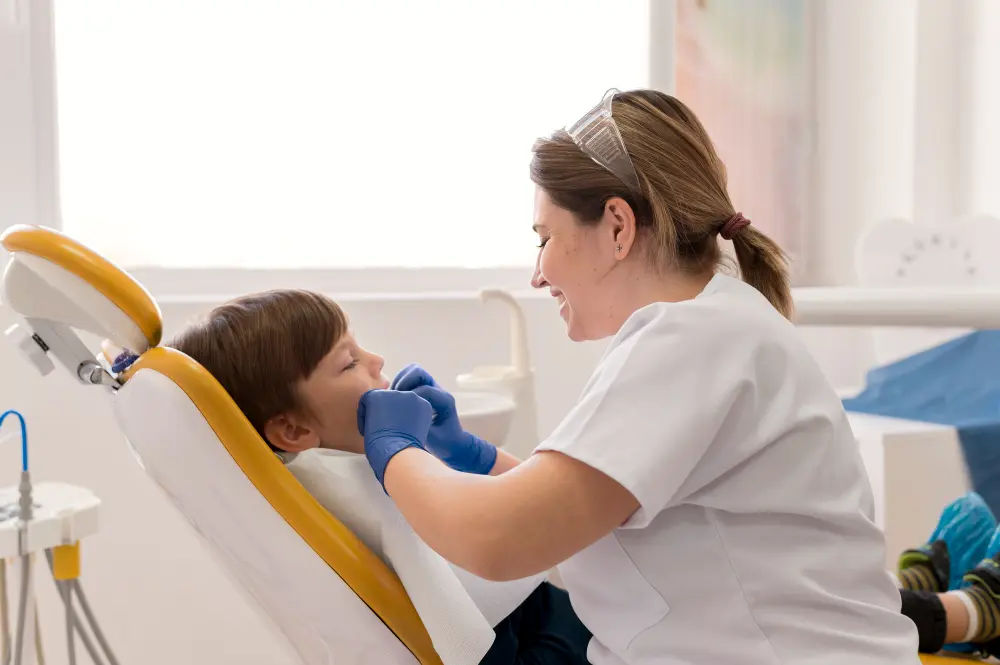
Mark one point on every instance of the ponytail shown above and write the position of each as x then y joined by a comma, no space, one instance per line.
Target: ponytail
682,198
764,266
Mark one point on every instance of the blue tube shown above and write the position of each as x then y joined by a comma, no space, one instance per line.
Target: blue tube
24,436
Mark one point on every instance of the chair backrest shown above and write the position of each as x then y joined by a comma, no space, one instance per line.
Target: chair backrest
328,594
314,579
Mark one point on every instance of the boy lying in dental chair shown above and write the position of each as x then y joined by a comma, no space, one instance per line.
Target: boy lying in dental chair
290,363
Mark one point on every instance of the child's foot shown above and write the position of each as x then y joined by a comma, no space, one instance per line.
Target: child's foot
959,542
984,591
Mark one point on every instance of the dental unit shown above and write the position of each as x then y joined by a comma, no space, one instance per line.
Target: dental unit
46,520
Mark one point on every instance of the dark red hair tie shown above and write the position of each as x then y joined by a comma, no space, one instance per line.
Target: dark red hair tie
733,226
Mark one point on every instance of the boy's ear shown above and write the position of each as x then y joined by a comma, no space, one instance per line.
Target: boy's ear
288,433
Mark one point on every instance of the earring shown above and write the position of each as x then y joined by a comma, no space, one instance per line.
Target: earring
618,247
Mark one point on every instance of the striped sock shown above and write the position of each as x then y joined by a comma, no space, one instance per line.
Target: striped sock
919,577
926,568
987,606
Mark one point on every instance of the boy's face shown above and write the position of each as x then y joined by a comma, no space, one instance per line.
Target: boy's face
329,400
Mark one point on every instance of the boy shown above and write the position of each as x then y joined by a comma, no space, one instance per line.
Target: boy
292,366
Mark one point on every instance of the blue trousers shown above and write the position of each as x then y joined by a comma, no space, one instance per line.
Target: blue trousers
543,630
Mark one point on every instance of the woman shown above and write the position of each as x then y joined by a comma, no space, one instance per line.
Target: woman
705,500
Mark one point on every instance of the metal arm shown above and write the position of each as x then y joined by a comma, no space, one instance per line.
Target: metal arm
37,338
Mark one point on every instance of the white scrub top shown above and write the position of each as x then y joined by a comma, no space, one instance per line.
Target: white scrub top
755,542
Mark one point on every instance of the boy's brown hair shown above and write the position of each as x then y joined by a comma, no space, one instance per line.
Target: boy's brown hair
260,346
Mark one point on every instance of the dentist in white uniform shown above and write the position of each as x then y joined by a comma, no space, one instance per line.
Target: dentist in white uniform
705,500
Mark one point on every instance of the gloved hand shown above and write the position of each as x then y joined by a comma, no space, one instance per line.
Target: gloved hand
412,376
391,421
446,439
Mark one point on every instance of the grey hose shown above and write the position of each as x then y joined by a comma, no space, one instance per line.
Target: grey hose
66,592
4,619
25,509
82,597
77,623
87,644
38,639
22,609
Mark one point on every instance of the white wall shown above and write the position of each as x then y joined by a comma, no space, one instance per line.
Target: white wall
160,597
28,181
17,176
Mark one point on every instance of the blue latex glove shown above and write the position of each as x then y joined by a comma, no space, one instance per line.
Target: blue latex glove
391,421
412,376
447,440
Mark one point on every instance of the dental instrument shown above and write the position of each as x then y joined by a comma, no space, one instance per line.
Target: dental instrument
50,519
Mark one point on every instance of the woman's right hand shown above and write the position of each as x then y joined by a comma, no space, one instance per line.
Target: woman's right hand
392,421
447,440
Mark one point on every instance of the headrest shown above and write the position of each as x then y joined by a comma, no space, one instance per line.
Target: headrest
53,277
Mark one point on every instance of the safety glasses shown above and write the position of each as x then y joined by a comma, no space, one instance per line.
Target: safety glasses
597,135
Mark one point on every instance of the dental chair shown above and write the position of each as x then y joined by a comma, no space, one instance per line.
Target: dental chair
332,598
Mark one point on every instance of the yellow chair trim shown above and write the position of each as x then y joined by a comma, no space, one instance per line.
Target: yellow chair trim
927,659
114,283
360,569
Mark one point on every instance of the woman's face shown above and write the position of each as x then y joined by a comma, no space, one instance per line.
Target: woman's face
575,262
329,400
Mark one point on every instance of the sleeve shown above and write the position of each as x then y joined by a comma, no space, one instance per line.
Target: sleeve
653,408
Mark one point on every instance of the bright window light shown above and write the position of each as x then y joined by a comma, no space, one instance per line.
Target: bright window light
303,133
985,108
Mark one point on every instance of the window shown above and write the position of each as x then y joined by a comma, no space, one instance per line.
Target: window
297,133
985,93
743,67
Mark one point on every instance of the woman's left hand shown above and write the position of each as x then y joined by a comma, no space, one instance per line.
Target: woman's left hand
392,421
447,439
449,442
411,377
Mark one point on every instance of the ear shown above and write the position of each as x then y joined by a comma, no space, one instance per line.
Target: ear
618,214
289,433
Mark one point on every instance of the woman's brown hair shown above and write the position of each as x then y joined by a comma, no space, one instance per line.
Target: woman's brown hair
683,203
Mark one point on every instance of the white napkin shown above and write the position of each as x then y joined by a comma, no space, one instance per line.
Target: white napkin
458,608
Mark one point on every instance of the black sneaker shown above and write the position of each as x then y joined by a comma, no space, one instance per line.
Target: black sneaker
933,554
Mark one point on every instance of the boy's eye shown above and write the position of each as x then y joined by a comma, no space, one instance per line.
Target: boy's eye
352,364
542,242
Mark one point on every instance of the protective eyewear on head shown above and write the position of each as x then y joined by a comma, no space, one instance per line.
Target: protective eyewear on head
597,135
